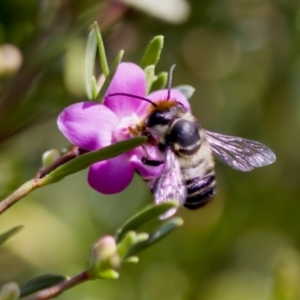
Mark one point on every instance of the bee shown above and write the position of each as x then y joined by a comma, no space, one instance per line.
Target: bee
188,174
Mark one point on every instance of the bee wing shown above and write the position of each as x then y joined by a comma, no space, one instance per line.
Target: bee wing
240,154
170,184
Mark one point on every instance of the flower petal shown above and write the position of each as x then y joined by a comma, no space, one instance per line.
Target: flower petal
88,125
147,172
174,95
129,79
111,176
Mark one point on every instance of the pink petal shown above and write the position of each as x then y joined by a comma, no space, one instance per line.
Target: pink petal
147,172
175,95
111,176
129,79
88,125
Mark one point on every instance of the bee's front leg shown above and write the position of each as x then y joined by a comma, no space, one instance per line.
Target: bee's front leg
151,162
145,159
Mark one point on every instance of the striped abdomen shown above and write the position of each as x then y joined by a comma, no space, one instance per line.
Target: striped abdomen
197,167
193,152
200,190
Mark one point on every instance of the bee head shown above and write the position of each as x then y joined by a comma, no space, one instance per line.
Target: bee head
163,113
160,114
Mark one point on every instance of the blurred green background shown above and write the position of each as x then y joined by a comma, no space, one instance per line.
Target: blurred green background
243,58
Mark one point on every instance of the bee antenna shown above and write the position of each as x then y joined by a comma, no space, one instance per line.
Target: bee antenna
170,78
133,96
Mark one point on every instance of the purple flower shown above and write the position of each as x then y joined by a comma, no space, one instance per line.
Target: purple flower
92,125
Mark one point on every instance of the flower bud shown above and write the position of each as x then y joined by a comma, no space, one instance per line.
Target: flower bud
10,291
104,248
104,259
49,157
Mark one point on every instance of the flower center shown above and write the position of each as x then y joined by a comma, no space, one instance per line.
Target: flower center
127,128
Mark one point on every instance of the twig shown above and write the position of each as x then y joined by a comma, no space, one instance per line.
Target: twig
20,193
74,152
61,287
38,181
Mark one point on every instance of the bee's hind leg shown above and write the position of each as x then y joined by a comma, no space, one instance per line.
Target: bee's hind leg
146,160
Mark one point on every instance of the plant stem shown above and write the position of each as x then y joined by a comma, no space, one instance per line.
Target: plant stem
59,288
71,154
38,181
20,193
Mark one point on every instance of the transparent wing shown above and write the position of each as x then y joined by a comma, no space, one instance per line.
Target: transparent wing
240,154
170,185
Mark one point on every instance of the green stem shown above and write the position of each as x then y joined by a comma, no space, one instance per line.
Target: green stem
59,288
20,193
38,181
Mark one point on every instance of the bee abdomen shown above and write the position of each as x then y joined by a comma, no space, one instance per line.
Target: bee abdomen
200,191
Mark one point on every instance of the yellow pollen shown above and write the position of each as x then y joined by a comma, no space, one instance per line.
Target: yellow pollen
132,130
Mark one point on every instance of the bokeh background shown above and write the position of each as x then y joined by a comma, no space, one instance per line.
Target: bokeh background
243,58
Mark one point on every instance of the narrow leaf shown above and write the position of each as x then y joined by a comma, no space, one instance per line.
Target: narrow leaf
149,72
131,238
101,49
143,217
125,245
186,90
39,283
162,231
8,234
159,82
95,89
108,274
90,55
153,52
79,163
111,75
131,260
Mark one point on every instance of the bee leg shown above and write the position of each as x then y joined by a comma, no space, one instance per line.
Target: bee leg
151,162
151,139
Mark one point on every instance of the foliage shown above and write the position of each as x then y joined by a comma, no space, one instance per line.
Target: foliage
242,58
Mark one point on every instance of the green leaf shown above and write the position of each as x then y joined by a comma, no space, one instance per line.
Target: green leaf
95,89
186,90
153,52
166,228
126,243
8,234
108,274
159,82
101,49
131,238
111,75
90,55
131,260
149,72
39,283
79,163
143,217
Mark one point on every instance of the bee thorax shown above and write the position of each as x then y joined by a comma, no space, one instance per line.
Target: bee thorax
184,137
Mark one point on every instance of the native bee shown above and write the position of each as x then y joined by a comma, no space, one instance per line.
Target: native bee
188,173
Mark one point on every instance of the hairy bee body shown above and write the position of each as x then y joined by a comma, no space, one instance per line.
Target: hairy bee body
188,174
191,149
179,133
